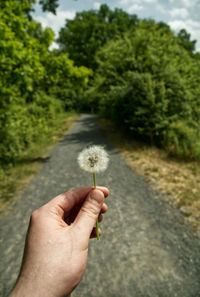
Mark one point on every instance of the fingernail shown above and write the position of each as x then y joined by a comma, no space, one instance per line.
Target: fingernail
105,190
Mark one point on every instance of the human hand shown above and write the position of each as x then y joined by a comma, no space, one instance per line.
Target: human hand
57,243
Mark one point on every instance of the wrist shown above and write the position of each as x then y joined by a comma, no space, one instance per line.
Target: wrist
23,289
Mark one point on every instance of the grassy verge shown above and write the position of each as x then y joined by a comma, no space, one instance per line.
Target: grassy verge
13,179
179,179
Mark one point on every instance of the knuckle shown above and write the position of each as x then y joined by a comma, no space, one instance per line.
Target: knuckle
92,211
34,215
37,214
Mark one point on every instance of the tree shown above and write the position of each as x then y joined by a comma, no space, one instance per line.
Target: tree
35,84
49,5
26,5
90,30
149,84
184,41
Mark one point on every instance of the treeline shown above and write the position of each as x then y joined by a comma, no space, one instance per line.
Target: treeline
146,77
36,85
138,73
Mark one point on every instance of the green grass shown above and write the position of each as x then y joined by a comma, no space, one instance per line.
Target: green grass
14,177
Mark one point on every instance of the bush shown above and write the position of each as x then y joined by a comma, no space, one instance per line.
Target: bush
150,85
23,124
35,84
182,140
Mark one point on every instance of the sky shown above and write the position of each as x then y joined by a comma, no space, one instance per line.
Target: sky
178,14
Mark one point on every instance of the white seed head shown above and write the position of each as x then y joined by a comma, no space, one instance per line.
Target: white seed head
93,159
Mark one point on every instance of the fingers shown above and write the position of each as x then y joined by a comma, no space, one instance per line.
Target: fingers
70,199
89,213
100,219
94,234
104,208
70,216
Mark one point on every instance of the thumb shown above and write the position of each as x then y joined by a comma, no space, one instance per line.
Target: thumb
89,213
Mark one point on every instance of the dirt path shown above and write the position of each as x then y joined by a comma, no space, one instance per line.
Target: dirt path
146,249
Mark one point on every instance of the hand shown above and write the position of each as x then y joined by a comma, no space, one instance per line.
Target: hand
57,243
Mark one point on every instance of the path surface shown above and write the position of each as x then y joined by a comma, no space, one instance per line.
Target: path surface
146,250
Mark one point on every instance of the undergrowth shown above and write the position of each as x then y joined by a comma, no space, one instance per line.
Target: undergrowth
15,176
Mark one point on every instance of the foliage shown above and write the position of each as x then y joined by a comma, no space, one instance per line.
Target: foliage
65,81
23,124
184,41
26,5
150,84
89,30
183,139
35,84
49,5
14,177
147,79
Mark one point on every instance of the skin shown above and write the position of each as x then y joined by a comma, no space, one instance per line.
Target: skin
57,242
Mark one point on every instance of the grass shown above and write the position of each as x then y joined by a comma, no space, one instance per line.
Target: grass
179,179
13,179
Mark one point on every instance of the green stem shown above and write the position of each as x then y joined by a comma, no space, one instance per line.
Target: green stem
97,229
94,179
97,223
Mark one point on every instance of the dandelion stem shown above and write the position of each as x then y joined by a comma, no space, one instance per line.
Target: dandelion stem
94,178
97,229
97,223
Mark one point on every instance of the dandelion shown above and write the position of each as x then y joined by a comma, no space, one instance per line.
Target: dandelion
94,159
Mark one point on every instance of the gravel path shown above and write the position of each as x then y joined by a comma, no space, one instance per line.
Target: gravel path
146,249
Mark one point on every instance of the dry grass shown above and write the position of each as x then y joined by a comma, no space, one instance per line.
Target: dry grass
13,180
179,179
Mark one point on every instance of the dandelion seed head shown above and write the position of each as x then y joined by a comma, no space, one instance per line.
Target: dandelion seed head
93,159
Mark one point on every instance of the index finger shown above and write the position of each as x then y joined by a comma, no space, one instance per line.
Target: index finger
67,200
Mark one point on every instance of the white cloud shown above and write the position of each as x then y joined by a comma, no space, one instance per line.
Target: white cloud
149,1
184,3
127,2
161,9
54,45
192,27
188,24
134,8
55,22
179,12
139,2
188,3
96,5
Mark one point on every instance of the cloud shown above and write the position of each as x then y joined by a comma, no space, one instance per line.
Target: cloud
185,3
126,2
161,9
54,45
55,22
149,1
192,6
134,8
192,27
179,12
96,5
139,2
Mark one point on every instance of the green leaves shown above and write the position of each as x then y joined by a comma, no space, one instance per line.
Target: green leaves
144,77
90,30
150,84
49,5
35,84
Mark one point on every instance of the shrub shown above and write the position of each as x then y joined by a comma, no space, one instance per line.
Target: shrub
23,124
149,84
